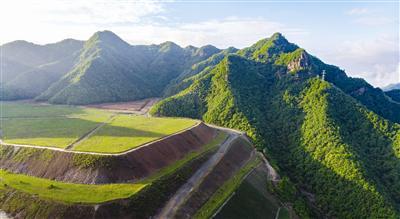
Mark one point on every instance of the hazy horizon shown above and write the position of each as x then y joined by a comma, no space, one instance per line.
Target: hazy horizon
360,37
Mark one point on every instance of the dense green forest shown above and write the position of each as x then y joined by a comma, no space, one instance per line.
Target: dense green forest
328,135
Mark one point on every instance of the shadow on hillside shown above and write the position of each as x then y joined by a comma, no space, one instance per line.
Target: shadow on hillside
335,195
373,147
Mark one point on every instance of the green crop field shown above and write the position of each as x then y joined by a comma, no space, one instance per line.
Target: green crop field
60,126
67,192
125,132
27,110
45,125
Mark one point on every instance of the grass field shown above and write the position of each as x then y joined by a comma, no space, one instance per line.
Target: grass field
44,125
27,110
60,126
67,192
125,132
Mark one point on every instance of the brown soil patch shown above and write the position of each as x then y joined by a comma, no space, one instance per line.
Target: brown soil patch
131,106
97,169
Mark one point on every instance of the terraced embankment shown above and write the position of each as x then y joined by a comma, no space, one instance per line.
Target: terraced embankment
201,167
92,168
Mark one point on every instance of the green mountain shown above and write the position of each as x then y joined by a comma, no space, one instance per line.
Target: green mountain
102,69
284,58
29,69
104,72
333,136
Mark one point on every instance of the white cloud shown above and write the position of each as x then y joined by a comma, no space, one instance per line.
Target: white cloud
232,31
369,17
374,20
357,11
376,60
46,20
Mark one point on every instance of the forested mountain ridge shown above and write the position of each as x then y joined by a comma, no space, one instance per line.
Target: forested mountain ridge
284,58
103,69
322,132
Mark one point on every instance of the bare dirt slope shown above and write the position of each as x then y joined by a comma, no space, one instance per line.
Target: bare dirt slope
138,107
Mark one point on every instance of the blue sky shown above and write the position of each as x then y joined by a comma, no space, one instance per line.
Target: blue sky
360,37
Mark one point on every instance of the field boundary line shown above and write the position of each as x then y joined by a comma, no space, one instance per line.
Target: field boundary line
90,133
99,153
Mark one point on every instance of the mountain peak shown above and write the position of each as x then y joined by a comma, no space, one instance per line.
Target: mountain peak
277,35
267,48
107,36
169,46
278,39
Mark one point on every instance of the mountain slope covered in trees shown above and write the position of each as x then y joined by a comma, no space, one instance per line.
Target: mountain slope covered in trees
103,69
334,137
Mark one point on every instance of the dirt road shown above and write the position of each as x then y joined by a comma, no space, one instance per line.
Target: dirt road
194,182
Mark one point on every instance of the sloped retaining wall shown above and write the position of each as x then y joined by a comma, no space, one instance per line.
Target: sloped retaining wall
98,169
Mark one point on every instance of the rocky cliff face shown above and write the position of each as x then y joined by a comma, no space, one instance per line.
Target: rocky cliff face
300,63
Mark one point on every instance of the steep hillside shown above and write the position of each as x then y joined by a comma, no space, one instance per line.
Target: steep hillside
186,77
104,73
110,70
284,57
323,133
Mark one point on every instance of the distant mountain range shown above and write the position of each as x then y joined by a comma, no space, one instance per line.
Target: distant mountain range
103,69
392,87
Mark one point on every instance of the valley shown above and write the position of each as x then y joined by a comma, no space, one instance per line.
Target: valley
164,131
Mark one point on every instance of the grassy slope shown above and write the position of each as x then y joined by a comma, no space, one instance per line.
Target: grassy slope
218,198
67,192
221,136
248,202
82,193
126,132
